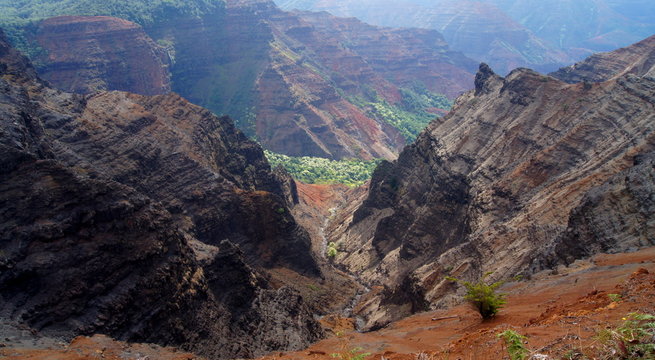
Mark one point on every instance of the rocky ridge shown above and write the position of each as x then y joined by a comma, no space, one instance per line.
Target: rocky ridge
131,216
523,168
637,59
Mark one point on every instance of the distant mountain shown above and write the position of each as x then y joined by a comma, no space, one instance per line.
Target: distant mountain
510,33
301,83
525,173
480,30
587,25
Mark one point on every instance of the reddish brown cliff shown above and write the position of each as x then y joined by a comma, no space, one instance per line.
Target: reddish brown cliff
480,29
84,54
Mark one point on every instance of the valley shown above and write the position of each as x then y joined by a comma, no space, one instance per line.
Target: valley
226,180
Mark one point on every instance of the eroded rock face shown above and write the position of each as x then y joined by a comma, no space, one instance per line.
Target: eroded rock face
144,218
525,171
85,54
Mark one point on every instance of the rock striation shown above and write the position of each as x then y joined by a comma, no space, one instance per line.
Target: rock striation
524,173
147,219
85,54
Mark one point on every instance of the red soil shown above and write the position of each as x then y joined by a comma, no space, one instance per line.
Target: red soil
560,312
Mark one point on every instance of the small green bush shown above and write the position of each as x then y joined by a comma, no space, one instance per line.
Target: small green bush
352,354
332,250
483,296
614,297
634,339
514,342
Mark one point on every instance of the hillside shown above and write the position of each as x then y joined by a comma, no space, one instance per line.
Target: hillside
146,219
525,173
302,84
561,313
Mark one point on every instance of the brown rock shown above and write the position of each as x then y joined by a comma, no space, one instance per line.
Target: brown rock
120,214
85,54
526,170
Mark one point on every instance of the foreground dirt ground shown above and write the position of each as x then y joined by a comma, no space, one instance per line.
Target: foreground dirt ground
559,311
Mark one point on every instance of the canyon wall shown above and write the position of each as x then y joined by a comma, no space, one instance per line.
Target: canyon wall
144,218
525,173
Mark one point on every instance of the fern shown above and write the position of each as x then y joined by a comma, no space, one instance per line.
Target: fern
483,296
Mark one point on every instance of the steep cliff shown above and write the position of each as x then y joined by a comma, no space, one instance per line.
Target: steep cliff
144,218
293,79
302,83
88,54
523,168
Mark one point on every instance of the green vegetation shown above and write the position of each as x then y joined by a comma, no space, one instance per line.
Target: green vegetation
483,296
346,351
634,339
19,17
514,343
332,250
614,297
352,354
142,12
313,170
411,115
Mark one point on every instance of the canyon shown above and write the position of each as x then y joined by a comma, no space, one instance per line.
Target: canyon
144,218
507,33
144,225
526,172
302,84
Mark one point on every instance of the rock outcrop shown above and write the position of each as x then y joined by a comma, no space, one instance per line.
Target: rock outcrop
144,218
85,54
524,172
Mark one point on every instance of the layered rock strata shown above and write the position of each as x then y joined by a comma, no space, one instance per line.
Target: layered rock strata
525,172
144,218
84,54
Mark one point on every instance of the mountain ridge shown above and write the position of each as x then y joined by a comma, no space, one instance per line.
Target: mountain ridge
100,236
492,186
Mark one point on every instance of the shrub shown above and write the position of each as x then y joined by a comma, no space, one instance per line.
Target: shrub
614,297
514,342
634,339
483,296
346,352
356,353
332,250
